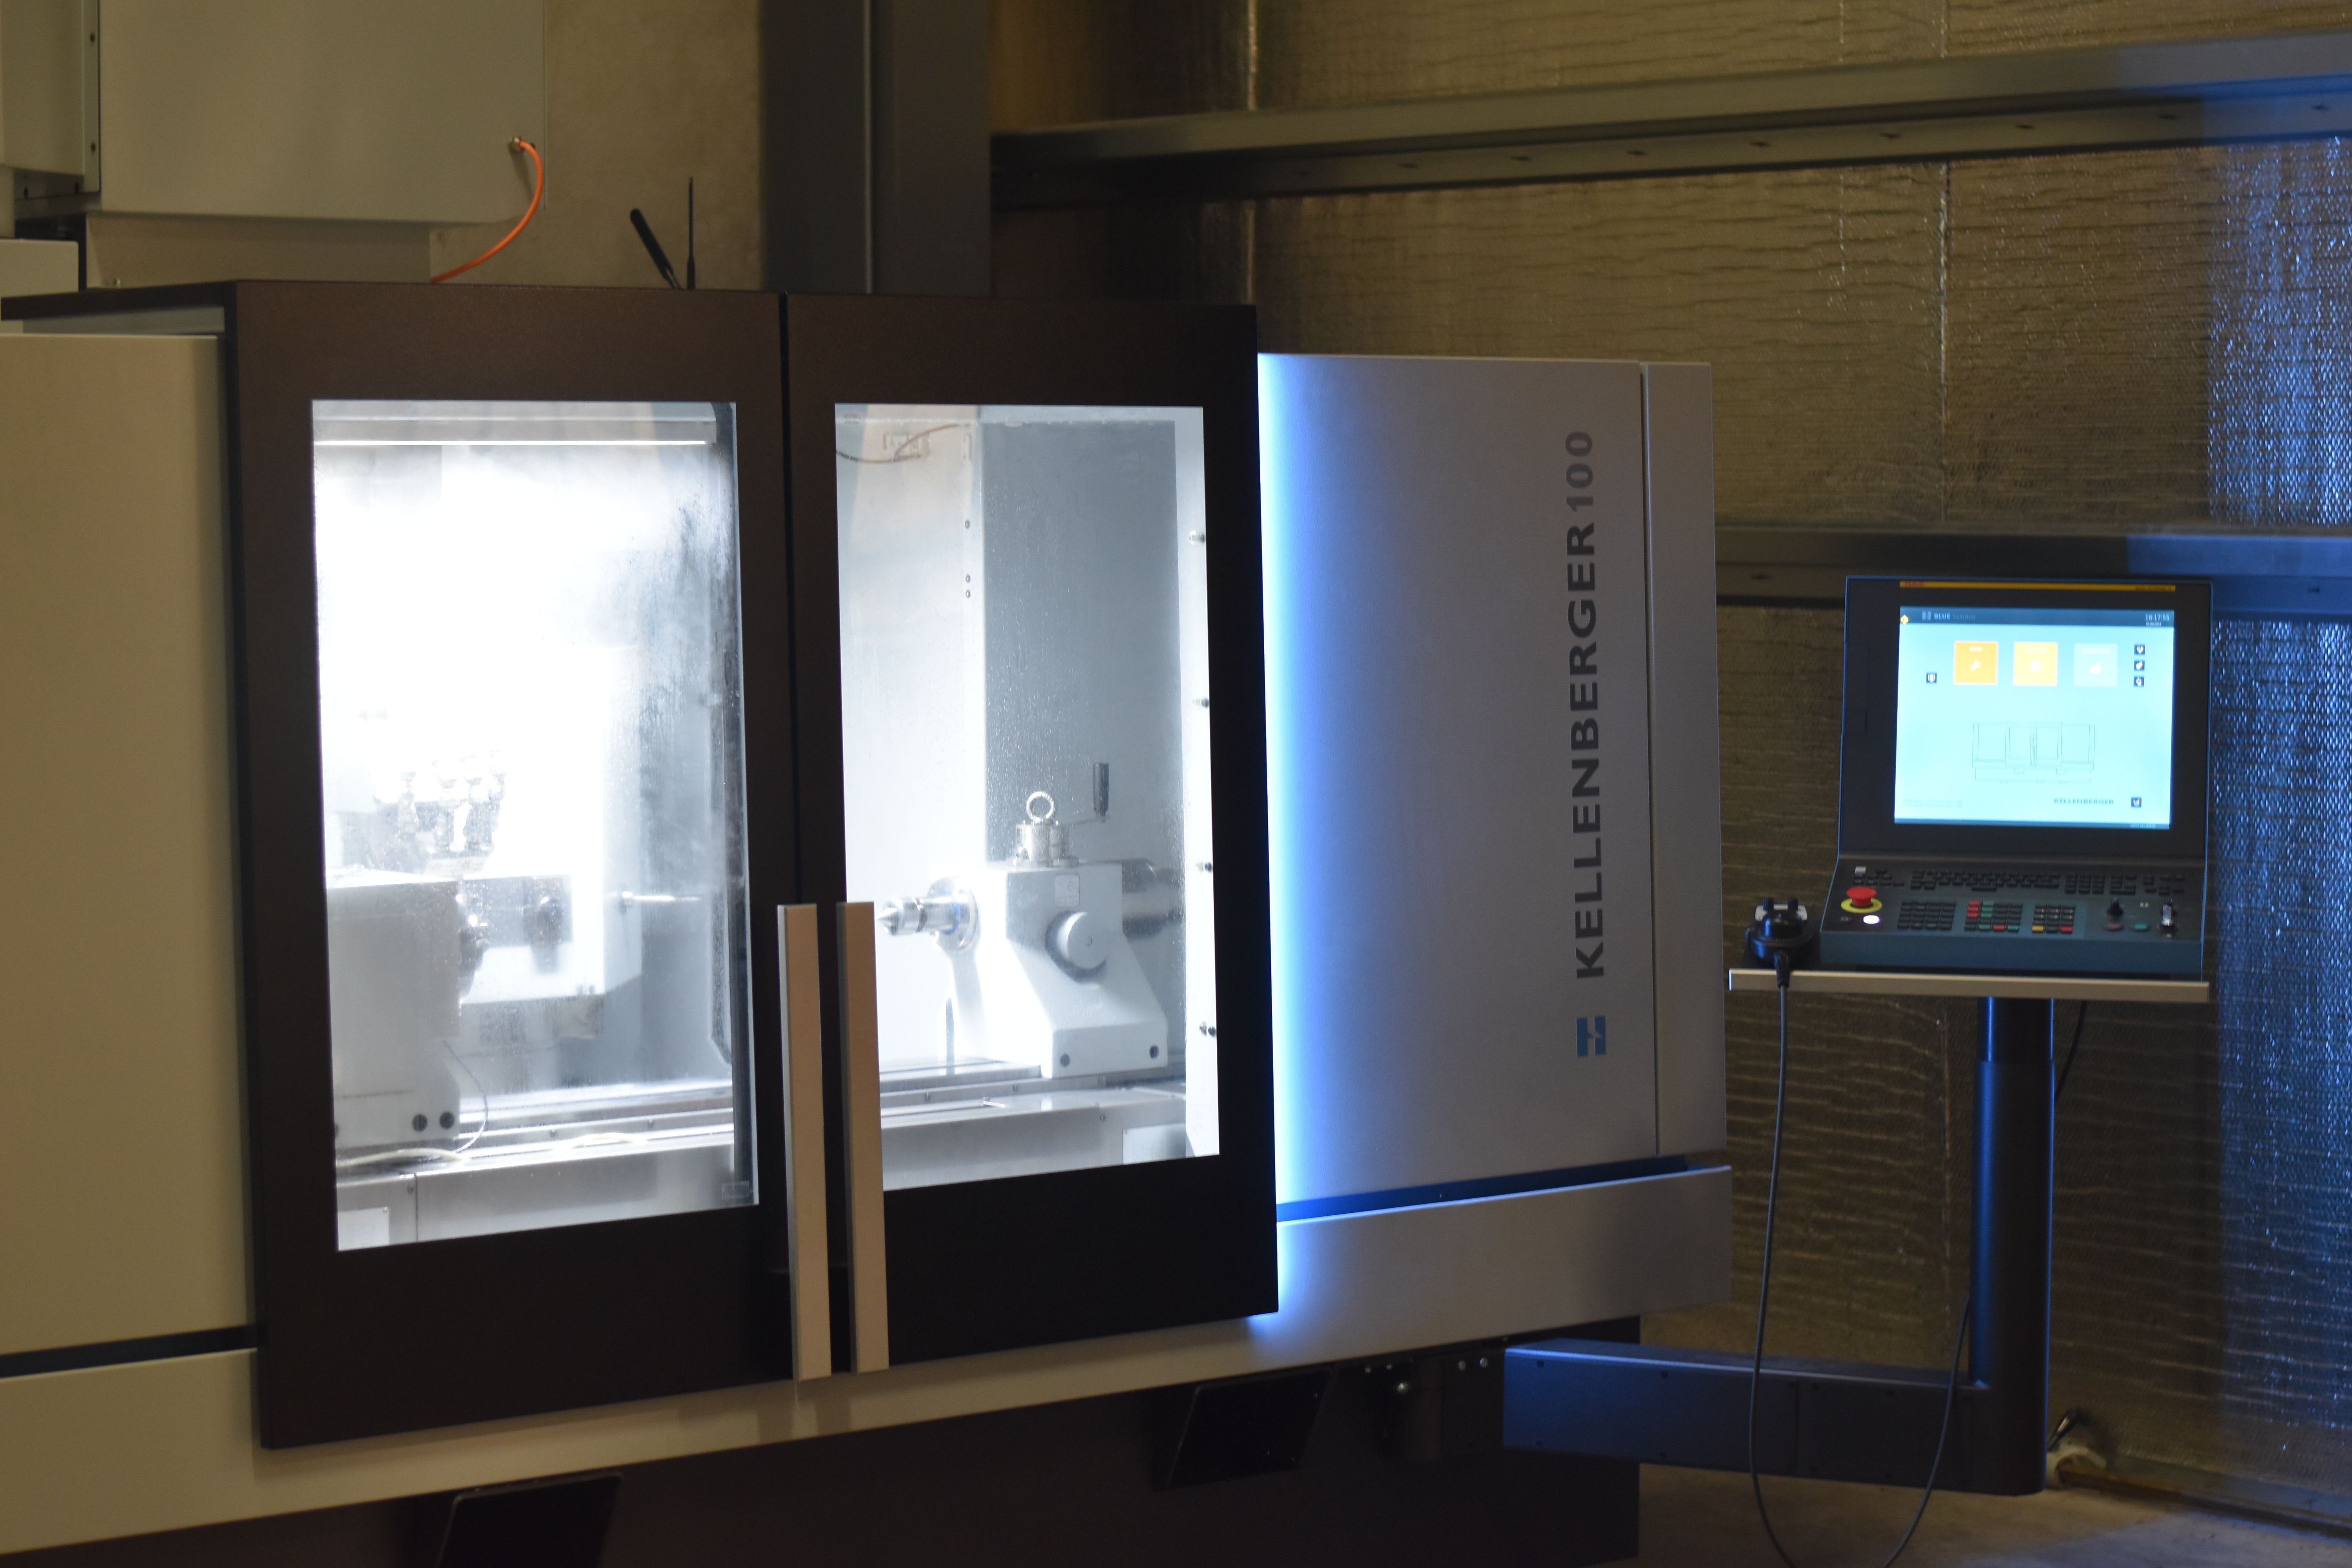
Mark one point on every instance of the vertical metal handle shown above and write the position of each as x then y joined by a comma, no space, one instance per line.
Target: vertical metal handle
861,1089
803,1013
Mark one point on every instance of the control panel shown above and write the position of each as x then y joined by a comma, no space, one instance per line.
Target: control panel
2004,915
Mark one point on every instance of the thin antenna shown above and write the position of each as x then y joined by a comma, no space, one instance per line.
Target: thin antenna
689,231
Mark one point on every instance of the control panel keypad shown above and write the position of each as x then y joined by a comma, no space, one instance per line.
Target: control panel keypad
1983,916
2010,900
1925,914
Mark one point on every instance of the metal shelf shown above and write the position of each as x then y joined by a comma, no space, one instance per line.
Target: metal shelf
2255,575
2022,987
2280,87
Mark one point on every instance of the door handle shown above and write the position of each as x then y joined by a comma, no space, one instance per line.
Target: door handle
861,1089
862,1136
803,1008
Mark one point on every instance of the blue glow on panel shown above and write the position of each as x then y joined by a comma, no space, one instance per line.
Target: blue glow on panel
2279,363
1481,1187
2279,455
2282,895
1287,648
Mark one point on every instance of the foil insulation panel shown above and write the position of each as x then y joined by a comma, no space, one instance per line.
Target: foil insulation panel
2086,343
1061,61
2280,344
2282,849
1816,295
1871,1261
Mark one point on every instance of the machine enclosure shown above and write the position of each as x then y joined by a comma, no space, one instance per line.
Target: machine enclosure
140,1259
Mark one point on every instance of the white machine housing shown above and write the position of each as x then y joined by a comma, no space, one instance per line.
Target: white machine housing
124,1215
1493,769
271,138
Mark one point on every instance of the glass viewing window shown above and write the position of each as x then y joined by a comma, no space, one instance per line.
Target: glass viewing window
1026,762
530,737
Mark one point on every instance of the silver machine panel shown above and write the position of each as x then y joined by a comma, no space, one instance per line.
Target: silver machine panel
1497,857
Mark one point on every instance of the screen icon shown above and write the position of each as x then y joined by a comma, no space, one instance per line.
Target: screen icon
2139,648
2095,664
2037,664
1976,663
2139,680
1931,678
2140,664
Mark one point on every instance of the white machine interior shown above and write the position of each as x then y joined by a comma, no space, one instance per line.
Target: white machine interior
1026,762
531,736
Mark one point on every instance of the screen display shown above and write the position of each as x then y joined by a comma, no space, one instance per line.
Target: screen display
2034,716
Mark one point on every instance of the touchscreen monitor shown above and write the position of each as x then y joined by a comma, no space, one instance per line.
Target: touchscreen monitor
2033,714
2026,717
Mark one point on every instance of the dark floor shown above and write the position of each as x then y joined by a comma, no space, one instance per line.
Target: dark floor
1697,1518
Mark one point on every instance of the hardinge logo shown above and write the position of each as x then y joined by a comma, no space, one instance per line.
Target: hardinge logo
1592,1036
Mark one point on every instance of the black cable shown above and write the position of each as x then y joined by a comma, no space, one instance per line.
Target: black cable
653,247
1764,1298
1764,1283
2081,1013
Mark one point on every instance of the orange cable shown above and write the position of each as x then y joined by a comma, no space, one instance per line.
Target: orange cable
537,190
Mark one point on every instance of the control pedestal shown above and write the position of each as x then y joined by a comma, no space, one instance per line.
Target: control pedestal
1850,1420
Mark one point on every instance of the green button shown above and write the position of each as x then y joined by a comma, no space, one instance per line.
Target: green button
2141,926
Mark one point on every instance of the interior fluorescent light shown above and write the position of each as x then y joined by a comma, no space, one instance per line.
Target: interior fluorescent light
461,441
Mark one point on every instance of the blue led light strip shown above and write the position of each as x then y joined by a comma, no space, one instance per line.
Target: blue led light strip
1482,1187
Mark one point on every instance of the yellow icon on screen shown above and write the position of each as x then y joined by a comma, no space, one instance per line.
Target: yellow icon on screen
1975,664
2037,664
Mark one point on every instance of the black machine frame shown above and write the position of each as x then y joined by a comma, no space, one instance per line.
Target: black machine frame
427,1334
1037,1259
1867,823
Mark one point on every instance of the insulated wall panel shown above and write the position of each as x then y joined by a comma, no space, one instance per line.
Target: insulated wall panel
1349,51
2279,349
1872,1257
2151,338
1814,295
2282,764
2078,330
2001,26
2089,343
1055,62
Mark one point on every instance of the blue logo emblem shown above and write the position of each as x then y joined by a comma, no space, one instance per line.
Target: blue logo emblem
1592,1036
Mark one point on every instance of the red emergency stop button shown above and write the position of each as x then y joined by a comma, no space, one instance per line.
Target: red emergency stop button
1862,901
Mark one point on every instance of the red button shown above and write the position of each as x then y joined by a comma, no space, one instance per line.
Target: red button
1861,895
